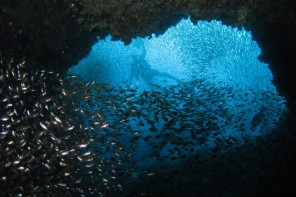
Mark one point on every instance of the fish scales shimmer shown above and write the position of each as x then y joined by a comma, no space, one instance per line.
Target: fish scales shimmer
60,133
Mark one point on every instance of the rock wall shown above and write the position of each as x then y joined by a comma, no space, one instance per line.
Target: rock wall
56,34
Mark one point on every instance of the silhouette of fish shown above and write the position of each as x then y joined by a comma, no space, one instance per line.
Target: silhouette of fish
257,119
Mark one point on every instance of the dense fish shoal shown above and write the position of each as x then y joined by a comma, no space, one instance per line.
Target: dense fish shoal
62,134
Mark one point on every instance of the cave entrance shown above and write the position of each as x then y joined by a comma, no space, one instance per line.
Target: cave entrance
195,85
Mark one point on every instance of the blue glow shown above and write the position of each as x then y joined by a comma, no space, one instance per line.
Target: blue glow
207,50
220,56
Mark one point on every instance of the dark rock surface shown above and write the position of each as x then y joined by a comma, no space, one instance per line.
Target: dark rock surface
56,34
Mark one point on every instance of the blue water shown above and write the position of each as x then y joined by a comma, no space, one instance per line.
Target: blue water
215,65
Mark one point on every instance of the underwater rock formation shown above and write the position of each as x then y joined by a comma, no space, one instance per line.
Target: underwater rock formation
48,143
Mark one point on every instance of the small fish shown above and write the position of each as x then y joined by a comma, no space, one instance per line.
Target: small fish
70,128
43,126
257,119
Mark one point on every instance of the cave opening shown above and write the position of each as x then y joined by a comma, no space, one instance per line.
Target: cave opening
168,98
189,112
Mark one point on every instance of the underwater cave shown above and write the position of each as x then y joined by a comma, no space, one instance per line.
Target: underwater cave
144,100
192,90
220,57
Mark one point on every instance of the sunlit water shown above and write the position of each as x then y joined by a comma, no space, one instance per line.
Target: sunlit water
216,68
